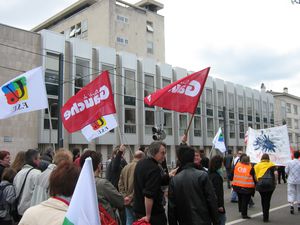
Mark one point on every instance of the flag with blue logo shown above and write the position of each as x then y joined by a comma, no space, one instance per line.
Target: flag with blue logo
218,141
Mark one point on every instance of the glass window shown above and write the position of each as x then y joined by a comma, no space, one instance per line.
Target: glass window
82,75
168,123
149,85
150,47
149,27
130,123
249,106
209,99
231,102
220,100
296,124
149,121
295,110
231,129
165,82
129,83
242,130
197,126
112,75
210,127
182,124
288,108
289,122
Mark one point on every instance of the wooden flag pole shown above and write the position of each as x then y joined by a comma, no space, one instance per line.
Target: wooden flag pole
187,130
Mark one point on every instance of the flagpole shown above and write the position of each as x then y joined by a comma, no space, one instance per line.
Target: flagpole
187,130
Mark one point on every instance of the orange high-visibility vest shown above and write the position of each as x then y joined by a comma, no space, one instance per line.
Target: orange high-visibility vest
242,176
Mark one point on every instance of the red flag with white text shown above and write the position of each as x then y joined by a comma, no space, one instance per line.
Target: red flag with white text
182,95
92,101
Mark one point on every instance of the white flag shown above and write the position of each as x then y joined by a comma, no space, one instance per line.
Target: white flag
218,141
99,127
24,93
83,208
274,141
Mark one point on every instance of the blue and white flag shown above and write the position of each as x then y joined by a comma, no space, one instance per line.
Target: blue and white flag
273,141
218,141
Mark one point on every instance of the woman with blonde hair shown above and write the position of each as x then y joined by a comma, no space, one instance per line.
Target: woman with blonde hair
19,161
265,177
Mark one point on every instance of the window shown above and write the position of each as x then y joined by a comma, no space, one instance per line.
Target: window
241,107
295,109
149,27
288,108
249,106
150,47
84,29
231,105
149,121
231,129
82,74
289,122
210,127
122,19
129,125
220,100
242,130
168,123
149,85
112,75
51,81
290,138
122,41
296,124
129,88
209,98
182,124
165,82
197,126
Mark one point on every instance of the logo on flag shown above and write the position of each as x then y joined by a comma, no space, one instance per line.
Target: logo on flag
100,127
274,141
15,91
24,93
182,95
218,141
91,101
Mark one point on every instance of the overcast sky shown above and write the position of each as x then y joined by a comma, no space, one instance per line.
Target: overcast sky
244,42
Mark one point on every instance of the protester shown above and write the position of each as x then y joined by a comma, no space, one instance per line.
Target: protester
191,197
236,159
228,164
25,179
293,189
108,195
243,184
62,184
116,165
148,195
126,187
281,174
204,159
266,183
216,177
197,161
76,153
19,161
7,196
4,161
41,185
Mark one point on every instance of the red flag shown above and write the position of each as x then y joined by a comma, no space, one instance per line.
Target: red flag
182,95
94,100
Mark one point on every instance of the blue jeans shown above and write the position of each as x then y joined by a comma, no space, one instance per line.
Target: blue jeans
130,217
222,217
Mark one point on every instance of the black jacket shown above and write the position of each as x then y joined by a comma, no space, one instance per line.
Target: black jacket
192,200
217,182
115,168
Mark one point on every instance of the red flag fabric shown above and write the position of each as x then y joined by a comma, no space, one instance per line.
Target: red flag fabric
94,100
182,95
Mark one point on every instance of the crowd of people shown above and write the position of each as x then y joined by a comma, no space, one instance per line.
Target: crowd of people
37,187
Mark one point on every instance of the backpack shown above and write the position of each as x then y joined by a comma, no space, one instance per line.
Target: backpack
3,209
266,182
105,217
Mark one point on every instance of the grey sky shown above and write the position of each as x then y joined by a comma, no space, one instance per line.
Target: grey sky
244,42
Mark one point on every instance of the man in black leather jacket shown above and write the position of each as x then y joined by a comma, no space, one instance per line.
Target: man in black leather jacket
192,200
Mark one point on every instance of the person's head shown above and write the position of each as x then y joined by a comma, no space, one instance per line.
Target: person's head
157,151
5,158
239,153
142,148
139,155
32,157
215,163
229,151
96,159
76,153
242,155
61,156
63,179
245,159
49,152
186,154
265,157
19,161
296,154
9,174
197,157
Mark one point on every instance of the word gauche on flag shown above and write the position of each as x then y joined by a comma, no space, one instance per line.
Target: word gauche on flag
274,141
83,208
25,93
100,127
182,95
93,100
219,142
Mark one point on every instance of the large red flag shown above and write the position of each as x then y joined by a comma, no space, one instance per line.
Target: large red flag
182,95
93,100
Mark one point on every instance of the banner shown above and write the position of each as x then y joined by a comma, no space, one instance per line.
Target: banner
99,127
92,101
274,141
182,95
83,208
218,141
24,93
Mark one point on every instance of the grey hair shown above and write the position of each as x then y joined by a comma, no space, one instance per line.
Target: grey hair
153,148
